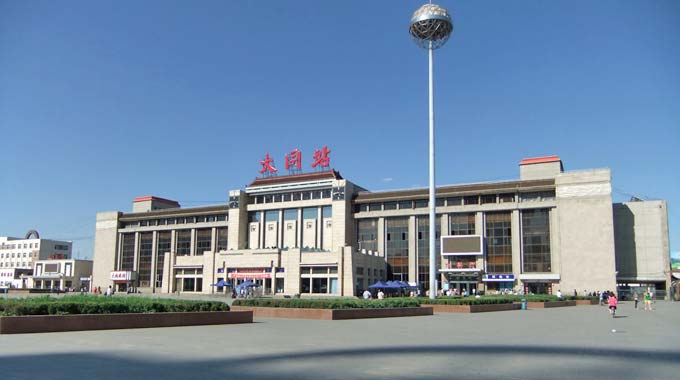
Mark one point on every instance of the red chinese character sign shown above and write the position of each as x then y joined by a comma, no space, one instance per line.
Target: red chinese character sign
267,166
321,158
294,161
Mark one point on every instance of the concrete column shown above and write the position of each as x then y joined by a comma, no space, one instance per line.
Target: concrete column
192,248
135,263
281,230
300,227
413,249
319,229
154,252
381,237
263,226
516,233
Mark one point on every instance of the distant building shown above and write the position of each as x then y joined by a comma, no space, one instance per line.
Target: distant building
62,274
15,278
319,234
24,252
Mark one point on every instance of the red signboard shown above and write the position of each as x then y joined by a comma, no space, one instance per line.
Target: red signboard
267,165
321,157
250,275
293,161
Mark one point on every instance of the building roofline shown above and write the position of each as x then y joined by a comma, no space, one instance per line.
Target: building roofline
173,211
154,198
539,160
458,190
276,180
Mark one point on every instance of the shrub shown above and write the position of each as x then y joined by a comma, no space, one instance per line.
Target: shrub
90,304
329,303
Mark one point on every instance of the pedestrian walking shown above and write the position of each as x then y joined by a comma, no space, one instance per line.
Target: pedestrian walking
613,303
636,298
648,300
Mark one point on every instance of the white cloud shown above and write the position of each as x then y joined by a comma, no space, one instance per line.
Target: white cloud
388,179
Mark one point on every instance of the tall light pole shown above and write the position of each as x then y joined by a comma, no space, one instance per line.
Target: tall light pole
430,28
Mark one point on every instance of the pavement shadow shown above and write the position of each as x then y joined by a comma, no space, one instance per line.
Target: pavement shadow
445,362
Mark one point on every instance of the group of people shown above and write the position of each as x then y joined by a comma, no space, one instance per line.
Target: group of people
647,297
108,292
367,295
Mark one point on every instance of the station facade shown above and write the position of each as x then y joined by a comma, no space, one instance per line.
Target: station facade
318,234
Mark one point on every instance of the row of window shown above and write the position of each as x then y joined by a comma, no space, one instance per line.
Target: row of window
360,272
14,265
498,231
18,254
288,197
19,246
173,221
457,201
183,243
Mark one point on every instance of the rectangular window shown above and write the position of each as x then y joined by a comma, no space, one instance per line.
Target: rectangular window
127,254
536,240
183,243
498,243
367,234
222,238
423,247
488,198
145,254
396,250
454,201
506,198
390,205
310,213
203,241
424,203
163,246
405,205
326,212
471,200
271,216
462,224
374,207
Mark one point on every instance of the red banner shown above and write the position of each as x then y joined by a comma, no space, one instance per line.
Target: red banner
250,275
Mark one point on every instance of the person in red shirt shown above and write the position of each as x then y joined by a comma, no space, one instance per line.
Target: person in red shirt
613,302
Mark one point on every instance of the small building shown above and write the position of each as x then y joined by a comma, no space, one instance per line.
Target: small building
15,278
23,252
62,274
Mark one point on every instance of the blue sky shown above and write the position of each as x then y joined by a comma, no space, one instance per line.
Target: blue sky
104,101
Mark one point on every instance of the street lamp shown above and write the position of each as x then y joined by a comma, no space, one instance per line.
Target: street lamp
430,28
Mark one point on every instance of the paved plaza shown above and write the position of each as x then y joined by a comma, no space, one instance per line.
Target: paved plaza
561,343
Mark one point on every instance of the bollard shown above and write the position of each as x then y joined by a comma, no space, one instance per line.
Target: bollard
524,304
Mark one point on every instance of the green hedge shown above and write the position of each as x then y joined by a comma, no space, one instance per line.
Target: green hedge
330,303
79,304
465,301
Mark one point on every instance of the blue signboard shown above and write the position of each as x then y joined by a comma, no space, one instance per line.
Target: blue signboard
500,277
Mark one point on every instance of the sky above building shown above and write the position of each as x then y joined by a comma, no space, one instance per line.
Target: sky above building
104,101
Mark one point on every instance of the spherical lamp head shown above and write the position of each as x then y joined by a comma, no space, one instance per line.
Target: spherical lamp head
430,26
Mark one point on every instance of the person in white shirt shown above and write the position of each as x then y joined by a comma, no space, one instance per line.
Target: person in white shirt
559,294
381,295
367,294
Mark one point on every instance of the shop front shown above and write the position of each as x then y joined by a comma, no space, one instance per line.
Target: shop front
499,283
540,283
260,276
123,280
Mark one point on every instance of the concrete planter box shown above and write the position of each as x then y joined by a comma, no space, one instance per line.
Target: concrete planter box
586,302
79,322
547,304
472,308
330,314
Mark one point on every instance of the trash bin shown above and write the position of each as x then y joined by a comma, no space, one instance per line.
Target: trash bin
524,304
